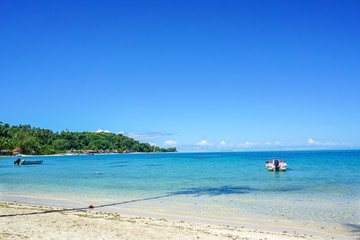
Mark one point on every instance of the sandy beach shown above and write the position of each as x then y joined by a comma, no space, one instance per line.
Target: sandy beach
22,221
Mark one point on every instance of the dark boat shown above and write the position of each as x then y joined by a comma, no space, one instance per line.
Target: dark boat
27,162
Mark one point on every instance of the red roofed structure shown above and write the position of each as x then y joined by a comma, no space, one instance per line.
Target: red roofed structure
17,149
90,152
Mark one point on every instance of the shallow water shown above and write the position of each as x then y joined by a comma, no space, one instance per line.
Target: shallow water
319,188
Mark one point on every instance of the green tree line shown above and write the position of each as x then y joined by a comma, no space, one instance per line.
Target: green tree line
33,140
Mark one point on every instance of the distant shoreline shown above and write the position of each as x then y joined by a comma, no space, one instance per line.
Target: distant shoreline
81,154
230,151
277,150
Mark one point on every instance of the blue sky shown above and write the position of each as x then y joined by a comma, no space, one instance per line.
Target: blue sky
198,75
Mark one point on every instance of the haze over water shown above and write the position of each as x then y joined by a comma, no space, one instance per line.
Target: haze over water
319,191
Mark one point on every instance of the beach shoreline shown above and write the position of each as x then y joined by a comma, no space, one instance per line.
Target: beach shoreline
19,220
189,188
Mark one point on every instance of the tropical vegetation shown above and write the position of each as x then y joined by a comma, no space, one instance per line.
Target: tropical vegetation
31,140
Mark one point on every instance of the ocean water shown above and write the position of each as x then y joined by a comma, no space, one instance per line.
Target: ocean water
319,191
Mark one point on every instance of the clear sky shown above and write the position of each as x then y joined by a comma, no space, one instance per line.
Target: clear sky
198,75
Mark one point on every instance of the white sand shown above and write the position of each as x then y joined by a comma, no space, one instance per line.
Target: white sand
22,221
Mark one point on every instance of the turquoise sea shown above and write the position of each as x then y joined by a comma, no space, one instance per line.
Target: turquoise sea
319,192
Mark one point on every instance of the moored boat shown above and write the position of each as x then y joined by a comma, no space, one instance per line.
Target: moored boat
27,162
276,165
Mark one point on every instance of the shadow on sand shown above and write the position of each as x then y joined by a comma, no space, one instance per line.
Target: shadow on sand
196,192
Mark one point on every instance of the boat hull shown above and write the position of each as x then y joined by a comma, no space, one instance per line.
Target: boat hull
28,162
32,162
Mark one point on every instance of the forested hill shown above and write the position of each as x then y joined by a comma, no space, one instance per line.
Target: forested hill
43,141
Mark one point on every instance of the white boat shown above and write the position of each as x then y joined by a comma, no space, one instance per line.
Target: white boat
27,162
276,165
